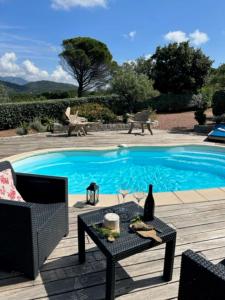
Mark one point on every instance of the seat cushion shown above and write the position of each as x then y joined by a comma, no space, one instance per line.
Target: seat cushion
8,190
45,211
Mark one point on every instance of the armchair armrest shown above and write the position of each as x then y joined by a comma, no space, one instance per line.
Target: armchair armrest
18,243
42,189
200,279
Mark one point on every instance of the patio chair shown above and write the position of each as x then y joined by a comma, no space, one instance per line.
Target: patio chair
76,123
29,231
200,279
218,133
142,118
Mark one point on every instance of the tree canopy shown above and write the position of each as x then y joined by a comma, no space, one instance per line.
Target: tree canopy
88,61
132,87
142,65
217,78
179,68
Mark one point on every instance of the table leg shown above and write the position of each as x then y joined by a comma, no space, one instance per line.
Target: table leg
81,242
149,129
131,128
169,259
110,279
85,129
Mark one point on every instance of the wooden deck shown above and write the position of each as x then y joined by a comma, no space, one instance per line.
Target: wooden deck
200,226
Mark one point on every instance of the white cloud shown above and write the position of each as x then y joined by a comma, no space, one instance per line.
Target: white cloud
176,36
59,75
130,35
8,64
67,4
29,71
32,72
196,38
147,56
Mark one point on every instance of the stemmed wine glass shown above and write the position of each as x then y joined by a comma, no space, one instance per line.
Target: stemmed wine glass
123,193
139,196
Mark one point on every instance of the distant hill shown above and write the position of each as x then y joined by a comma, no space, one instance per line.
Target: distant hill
16,80
37,87
12,88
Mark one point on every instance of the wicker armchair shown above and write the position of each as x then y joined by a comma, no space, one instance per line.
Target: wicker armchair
200,279
29,231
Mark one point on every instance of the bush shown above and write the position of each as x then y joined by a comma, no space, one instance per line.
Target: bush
218,103
219,119
94,112
48,123
23,129
200,116
12,114
26,98
175,102
37,125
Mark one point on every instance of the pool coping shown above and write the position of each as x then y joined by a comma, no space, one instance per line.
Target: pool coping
162,198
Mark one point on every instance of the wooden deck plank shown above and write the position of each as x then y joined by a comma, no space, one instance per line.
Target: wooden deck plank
200,226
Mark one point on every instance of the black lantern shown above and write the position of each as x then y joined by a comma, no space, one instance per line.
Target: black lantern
92,194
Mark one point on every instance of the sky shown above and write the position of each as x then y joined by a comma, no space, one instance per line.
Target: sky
31,32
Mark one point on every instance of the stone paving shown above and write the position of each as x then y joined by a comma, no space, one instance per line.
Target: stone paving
15,145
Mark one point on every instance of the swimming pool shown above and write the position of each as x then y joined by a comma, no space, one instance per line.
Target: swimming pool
167,168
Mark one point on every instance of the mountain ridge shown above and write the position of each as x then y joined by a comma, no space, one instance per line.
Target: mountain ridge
37,87
12,79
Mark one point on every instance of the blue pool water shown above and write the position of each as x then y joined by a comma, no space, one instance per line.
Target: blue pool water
167,168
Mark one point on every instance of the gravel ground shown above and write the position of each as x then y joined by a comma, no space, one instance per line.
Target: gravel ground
177,121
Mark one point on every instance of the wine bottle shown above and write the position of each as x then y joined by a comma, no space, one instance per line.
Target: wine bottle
149,208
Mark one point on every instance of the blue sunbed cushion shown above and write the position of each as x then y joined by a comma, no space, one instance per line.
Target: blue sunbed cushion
218,131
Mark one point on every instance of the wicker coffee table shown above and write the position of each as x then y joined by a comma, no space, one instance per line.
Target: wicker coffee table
127,244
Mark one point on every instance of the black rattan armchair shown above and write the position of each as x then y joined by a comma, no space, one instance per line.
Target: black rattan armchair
29,231
200,279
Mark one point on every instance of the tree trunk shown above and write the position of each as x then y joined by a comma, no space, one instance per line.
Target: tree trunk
80,90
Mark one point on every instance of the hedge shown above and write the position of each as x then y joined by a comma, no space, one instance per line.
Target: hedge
13,114
175,102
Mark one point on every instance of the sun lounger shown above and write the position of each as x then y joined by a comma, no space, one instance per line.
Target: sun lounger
76,123
142,118
218,133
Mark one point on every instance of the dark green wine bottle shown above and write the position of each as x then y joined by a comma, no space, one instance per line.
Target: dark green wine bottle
149,208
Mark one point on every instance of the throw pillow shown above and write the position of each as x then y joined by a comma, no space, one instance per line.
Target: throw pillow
8,190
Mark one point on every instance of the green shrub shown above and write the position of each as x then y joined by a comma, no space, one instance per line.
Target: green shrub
200,116
37,125
219,119
174,102
94,112
26,98
23,129
12,114
48,123
218,103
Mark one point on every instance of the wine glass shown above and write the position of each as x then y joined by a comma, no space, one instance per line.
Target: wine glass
123,193
139,196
